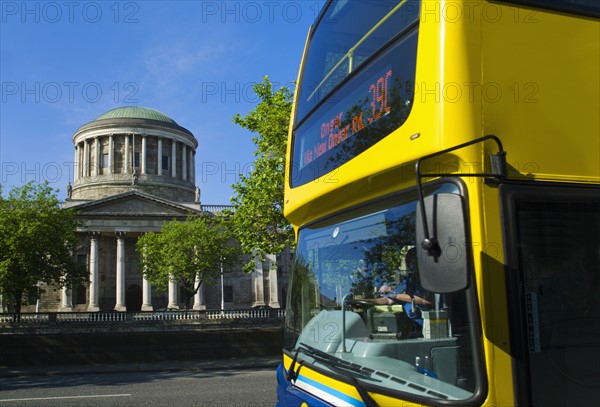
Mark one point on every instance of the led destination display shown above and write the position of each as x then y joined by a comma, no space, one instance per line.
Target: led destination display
361,112
337,129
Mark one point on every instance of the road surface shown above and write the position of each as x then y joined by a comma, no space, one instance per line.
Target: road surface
220,383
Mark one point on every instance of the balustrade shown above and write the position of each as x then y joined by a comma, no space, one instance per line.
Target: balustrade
191,316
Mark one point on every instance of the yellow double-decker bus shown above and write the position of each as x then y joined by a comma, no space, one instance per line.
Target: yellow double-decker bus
464,135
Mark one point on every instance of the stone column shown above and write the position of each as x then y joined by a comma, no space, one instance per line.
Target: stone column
111,154
172,294
273,286
82,160
143,155
76,164
146,288
96,156
199,301
127,155
146,296
86,161
258,283
192,167
94,289
184,162
133,168
159,158
66,304
173,158
120,301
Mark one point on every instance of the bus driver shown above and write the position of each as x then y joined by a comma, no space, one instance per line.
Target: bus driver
411,295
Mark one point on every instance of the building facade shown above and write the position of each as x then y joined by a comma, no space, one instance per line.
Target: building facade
135,170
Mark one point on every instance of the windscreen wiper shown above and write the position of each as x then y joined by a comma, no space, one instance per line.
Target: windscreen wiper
330,360
291,374
334,362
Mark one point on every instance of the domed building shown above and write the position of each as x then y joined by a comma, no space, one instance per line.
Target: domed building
134,145
134,171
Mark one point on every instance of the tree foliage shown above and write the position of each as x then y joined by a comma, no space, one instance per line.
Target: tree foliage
37,237
258,200
189,253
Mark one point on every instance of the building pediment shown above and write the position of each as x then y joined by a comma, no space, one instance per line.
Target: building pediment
134,204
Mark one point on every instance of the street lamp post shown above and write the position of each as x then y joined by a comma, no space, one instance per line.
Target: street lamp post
222,287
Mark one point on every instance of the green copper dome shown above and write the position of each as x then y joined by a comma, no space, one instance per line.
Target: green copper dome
136,112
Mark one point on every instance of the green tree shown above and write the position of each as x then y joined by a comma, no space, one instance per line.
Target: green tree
37,237
258,200
189,253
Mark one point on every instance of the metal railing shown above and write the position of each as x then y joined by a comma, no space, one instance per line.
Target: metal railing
191,316
216,208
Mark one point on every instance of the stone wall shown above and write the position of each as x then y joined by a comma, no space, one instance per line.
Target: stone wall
138,347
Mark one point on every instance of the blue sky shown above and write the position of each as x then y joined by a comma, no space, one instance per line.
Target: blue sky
64,63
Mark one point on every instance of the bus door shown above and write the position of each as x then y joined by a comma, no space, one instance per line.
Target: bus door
552,241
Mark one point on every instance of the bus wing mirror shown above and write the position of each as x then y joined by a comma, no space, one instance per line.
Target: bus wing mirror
442,258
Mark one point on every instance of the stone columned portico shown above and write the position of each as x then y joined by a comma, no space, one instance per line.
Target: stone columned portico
109,232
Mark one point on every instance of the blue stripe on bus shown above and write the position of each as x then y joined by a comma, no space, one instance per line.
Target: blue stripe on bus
336,393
